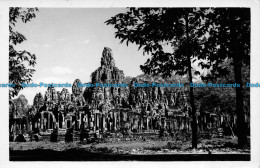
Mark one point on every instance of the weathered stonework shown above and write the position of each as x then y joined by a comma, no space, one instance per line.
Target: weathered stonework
115,109
107,73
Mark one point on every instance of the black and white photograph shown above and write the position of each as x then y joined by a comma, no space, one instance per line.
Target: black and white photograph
146,84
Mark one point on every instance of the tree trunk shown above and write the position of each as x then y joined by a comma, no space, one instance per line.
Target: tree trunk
237,58
241,127
193,109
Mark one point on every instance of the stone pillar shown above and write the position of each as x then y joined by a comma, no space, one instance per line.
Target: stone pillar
39,123
76,121
107,124
65,122
42,118
142,123
114,115
85,121
70,121
100,121
103,122
30,126
94,122
89,120
120,119
97,121
133,124
80,119
49,121
147,123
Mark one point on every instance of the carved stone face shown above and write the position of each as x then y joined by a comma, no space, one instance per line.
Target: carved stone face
100,97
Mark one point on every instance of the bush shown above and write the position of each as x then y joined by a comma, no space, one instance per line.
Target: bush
11,138
54,137
20,138
69,135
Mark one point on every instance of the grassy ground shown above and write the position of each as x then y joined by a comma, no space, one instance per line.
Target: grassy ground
207,146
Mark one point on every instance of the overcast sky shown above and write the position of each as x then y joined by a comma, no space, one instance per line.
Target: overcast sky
68,44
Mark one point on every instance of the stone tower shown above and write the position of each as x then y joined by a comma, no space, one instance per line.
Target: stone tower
107,73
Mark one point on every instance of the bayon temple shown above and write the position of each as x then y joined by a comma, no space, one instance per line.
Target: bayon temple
113,109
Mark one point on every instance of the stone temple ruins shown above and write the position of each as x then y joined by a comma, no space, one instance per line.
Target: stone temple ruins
112,109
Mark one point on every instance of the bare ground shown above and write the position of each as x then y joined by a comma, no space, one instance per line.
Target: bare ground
225,145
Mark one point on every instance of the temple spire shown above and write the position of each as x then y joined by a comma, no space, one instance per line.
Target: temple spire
107,59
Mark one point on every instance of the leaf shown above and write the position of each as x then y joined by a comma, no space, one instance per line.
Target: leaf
18,73
197,73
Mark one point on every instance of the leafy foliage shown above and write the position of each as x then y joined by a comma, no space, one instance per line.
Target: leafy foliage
154,29
225,98
229,38
19,71
22,106
209,36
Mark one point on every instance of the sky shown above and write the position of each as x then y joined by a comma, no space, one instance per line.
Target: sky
68,45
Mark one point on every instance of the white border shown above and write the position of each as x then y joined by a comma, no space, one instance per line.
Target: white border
255,77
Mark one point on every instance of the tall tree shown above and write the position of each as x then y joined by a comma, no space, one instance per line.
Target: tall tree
21,104
229,38
156,29
19,71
